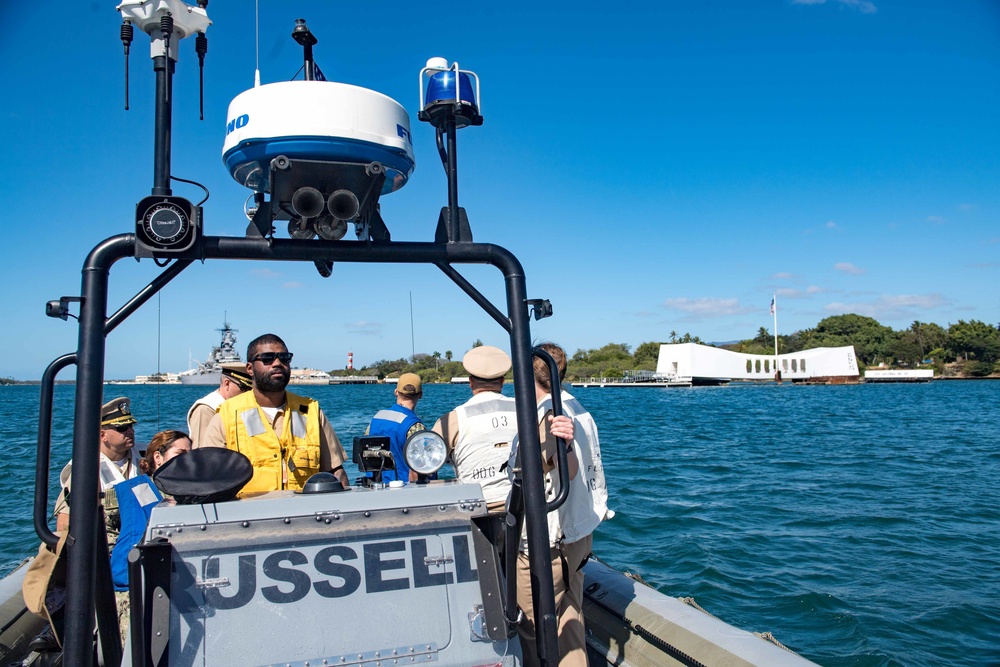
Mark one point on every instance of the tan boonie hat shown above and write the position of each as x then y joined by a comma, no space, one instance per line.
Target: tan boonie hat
237,372
486,362
117,412
409,384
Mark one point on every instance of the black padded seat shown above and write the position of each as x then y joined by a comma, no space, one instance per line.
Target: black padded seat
206,475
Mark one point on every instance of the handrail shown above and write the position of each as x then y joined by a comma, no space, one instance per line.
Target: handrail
43,457
561,459
45,448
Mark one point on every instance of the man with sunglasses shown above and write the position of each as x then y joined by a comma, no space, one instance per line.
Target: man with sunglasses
119,462
234,381
286,436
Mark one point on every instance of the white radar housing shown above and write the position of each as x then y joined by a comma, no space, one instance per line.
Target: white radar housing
316,120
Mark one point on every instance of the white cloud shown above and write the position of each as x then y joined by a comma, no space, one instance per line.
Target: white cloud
847,267
291,285
936,219
704,308
783,276
967,207
265,273
863,6
830,224
892,306
790,293
364,327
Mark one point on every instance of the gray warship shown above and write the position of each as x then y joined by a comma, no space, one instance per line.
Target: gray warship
209,372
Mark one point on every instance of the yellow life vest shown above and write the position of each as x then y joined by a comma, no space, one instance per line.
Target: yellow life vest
296,449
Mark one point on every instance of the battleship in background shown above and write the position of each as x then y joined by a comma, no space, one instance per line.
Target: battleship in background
209,372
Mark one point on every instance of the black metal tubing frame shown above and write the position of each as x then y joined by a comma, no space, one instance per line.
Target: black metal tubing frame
44,450
90,378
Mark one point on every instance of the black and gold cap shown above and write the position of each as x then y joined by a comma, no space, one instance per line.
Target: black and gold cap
237,372
117,412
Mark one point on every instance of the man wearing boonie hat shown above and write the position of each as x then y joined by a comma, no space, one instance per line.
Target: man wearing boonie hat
234,381
479,431
119,462
398,423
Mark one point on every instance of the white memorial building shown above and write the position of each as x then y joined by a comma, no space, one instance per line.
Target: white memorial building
701,364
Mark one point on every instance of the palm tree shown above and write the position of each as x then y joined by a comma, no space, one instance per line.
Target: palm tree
447,355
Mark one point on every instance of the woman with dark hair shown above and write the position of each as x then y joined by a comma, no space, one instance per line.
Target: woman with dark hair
164,446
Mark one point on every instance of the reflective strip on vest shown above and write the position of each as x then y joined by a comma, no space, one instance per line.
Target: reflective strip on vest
478,409
253,423
391,416
298,424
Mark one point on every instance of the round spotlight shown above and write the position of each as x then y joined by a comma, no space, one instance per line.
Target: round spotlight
425,452
302,229
330,228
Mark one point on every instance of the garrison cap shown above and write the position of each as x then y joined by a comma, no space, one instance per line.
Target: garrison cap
486,362
117,412
409,384
237,372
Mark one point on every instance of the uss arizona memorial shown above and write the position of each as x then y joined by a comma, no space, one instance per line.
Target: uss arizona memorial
700,364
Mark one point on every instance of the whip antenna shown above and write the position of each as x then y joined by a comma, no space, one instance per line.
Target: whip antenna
126,35
256,45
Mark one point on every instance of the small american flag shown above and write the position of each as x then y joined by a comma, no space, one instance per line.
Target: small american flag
772,305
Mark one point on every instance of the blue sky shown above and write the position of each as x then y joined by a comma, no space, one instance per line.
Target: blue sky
656,166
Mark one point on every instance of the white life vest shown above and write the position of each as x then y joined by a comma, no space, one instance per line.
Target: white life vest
587,503
487,423
108,471
213,400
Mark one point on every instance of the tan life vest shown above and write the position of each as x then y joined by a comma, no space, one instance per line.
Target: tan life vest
212,401
294,451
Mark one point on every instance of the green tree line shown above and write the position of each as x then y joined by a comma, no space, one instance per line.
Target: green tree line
976,344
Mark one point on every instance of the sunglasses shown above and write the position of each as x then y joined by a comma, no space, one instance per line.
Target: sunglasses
268,358
121,428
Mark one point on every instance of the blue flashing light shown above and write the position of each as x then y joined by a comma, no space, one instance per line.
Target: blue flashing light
441,89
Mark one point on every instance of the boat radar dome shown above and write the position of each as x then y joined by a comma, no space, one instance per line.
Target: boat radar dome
316,120
323,151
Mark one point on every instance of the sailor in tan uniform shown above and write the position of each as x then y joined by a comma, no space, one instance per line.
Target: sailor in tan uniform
235,380
119,461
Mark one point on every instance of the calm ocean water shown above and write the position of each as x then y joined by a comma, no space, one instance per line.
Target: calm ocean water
859,524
